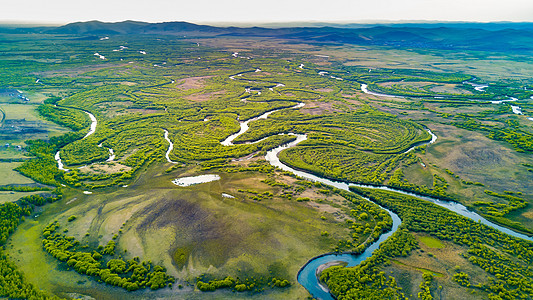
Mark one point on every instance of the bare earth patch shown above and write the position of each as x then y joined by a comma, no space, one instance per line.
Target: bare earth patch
319,108
324,90
108,168
193,82
528,215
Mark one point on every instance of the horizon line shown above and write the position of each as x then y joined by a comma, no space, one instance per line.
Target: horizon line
271,23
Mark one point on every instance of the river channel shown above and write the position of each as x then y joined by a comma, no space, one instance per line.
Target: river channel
307,276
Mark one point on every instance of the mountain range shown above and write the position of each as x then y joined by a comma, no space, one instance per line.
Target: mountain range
514,37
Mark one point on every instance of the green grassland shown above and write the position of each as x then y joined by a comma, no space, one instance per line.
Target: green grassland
12,177
431,242
488,265
220,236
276,222
22,122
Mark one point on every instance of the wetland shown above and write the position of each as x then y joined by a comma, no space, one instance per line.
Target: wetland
234,166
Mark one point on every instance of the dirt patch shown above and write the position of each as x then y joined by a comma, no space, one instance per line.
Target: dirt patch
108,168
197,228
193,82
528,215
319,108
324,90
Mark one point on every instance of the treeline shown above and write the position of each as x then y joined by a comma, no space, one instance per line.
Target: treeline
43,167
521,141
240,285
367,281
505,258
71,118
368,223
12,282
101,264
83,152
23,188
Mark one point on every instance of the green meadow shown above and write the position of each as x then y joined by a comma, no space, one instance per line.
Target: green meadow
115,226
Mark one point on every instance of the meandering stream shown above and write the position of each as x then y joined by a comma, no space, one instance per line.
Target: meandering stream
364,89
92,130
515,108
244,126
170,147
308,274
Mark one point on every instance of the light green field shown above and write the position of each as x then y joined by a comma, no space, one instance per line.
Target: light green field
35,98
21,111
26,115
9,196
11,153
156,219
9,176
431,242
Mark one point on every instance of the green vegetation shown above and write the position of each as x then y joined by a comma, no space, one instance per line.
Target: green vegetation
256,241
131,275
241,286
504,258
13,283
431,242
366,280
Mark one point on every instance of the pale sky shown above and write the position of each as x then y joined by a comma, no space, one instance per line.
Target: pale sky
206,11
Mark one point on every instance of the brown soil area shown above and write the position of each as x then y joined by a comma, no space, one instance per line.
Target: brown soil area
193,82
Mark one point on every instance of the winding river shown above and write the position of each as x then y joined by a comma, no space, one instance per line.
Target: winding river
94,122
308,274
364,89
170,147
515,108
92,130
244,126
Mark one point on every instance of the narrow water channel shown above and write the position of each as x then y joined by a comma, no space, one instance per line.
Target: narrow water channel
308,276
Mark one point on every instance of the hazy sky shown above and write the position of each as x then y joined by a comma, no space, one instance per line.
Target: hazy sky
204,11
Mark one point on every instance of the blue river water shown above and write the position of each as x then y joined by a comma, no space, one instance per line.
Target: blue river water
307,276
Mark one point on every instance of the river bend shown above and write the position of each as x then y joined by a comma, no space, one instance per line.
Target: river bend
308,276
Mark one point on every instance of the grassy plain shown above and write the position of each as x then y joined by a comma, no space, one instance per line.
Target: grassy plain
443,262
22,122
221,236
9,176
199,94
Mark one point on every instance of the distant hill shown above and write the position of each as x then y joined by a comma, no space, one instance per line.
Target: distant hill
97,27
516,37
